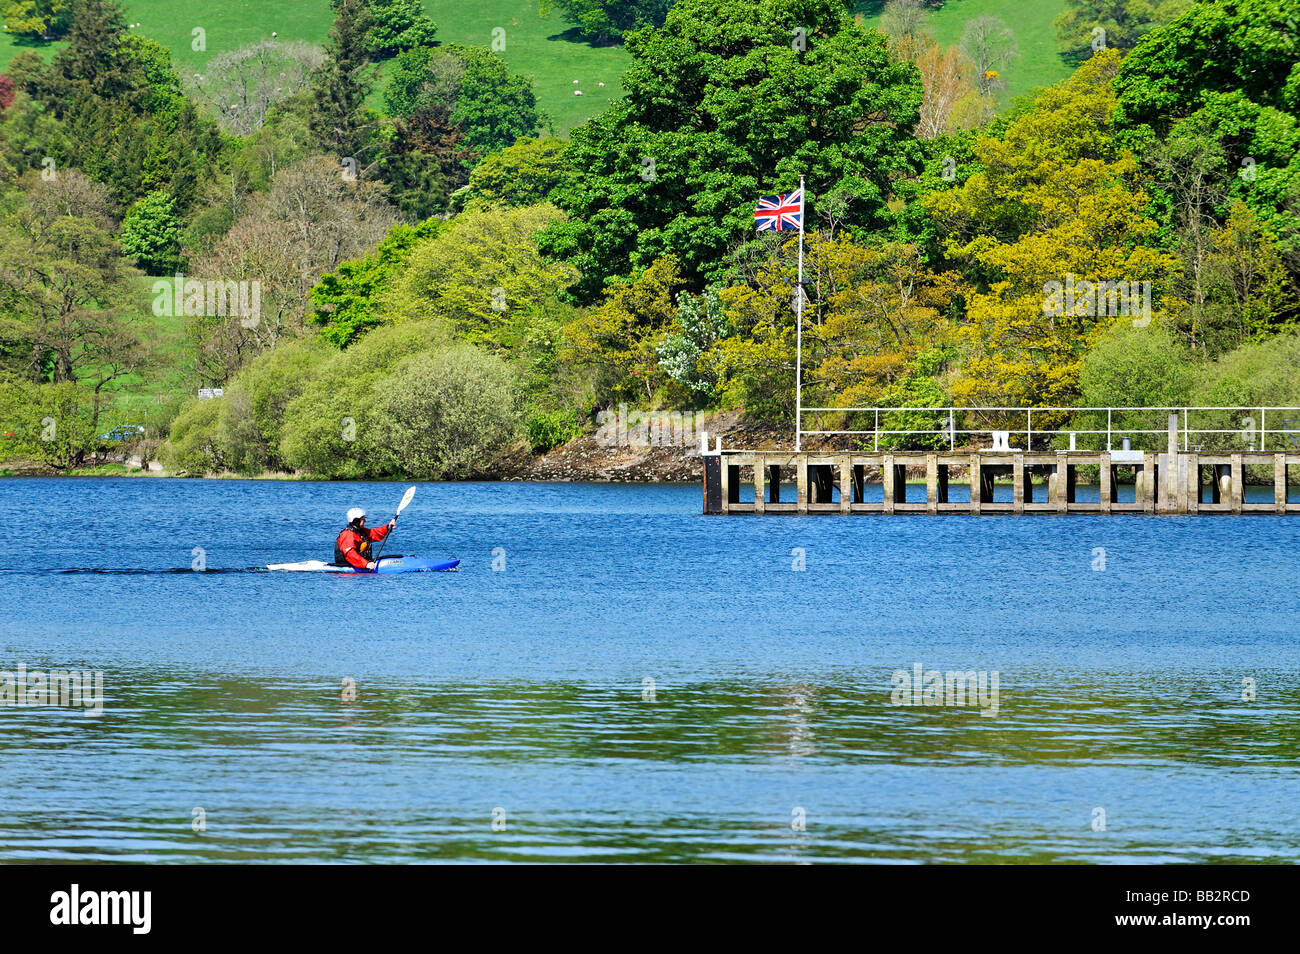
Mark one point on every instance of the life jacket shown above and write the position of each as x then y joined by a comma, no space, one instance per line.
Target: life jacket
362,547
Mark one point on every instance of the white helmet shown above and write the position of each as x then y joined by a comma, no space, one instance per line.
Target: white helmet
355,514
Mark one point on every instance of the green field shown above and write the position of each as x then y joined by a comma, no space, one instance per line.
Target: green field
533,45
1030,20
543,48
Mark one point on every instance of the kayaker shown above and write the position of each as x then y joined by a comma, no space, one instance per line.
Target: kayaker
353,545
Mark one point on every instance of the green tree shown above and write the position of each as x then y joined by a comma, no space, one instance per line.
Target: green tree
489,105
331,429
408,76
151,233
1245,45
1090,25
399,25
39,19
64,285
348,300
54,424
1130,366
493,107
716,117
526,173
607,20
483,274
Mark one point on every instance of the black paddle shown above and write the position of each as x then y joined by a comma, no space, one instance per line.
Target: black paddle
406,499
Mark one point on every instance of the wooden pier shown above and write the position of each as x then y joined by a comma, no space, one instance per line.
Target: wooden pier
836,482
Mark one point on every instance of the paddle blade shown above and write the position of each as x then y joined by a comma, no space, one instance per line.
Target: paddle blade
406,499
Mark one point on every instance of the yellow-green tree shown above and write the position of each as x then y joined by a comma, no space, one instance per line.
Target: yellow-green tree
40,19
870,311
1055,203
483,273
615,343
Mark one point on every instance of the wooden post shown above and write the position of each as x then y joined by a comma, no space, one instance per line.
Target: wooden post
712,483
1279,483
1148,483
932,483
1178,493
801,468
1018,483
1062,482
1104,482
975,482
887,480
1238,485
760,477
846,483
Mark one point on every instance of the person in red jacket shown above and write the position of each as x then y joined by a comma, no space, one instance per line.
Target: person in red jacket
353,545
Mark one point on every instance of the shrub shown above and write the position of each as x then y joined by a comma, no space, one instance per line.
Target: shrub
194,445
448,414
329,429
550,429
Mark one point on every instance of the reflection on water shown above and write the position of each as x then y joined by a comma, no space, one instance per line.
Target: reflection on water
707,771
645,684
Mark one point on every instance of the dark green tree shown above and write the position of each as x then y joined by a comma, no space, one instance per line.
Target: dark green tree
716,117
607,20
340,121
1121,22
1248,45
426,162
492,106
97,59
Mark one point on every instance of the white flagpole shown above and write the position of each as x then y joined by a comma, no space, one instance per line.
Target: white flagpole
798,354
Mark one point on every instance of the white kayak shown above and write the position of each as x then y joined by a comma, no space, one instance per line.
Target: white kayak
393,564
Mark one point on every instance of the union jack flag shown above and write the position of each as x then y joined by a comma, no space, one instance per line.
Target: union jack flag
778,212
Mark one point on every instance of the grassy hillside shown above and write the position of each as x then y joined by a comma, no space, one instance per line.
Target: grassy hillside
539,47
543,48
1031,22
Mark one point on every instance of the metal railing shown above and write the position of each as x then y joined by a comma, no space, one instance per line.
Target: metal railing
1249,430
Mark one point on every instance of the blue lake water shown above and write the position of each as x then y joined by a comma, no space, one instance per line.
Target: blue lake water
637,682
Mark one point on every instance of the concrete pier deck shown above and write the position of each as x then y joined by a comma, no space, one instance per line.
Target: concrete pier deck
835,482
